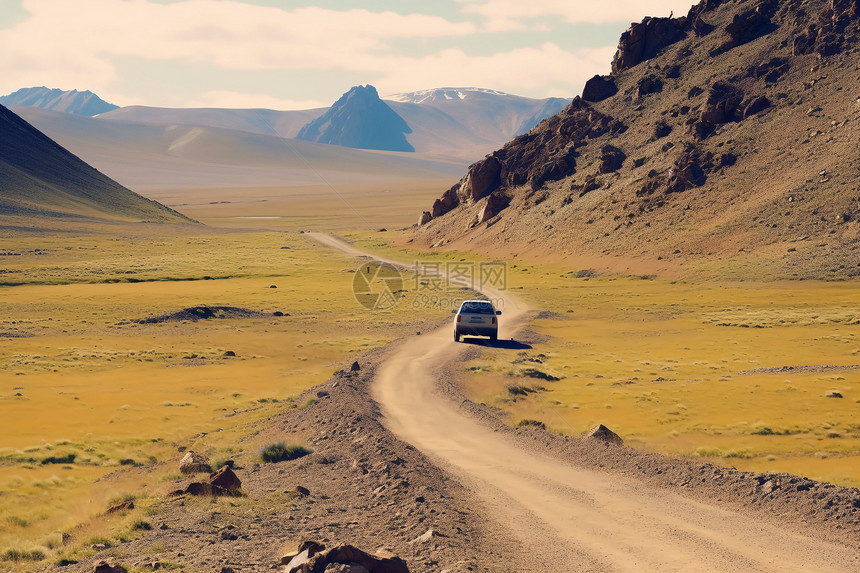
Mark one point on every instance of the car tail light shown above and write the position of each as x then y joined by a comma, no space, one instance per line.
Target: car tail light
494,320
459,316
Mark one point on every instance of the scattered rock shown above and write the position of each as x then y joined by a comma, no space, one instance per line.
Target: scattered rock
604,434
833,394
223,482
108,566
650,84
273,286
355,366
228,354
193,462
303,491
611,159
424,218
426,536
312,557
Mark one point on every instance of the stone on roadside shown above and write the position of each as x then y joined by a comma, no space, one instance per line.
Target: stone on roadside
604,434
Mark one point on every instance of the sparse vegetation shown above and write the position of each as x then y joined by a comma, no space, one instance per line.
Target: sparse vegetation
525,423
16,555
281,452
67,459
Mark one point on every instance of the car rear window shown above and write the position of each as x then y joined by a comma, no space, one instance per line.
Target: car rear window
477,308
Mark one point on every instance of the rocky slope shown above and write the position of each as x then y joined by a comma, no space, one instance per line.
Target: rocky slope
360,119
728,135
80,103
39,179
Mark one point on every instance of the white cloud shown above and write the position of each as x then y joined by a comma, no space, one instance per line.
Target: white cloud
80,45
547,70
505,15
74,42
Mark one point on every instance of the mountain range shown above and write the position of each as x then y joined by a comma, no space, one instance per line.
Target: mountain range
723,141
458,123
79,103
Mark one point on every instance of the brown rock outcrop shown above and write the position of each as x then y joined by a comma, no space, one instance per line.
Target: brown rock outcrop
599,88
483,177
645,40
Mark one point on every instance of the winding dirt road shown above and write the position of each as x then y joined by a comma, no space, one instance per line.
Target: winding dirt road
567,518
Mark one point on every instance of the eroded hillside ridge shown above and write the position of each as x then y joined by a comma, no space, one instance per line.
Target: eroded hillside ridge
752,105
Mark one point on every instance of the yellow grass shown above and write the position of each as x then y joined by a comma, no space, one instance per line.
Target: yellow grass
78,376
662,363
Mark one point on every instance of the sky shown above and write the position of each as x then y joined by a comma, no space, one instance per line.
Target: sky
301,54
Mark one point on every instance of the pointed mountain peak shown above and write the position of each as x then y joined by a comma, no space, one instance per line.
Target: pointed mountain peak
362,120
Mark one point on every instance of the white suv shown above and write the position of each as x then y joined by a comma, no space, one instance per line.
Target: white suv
476,318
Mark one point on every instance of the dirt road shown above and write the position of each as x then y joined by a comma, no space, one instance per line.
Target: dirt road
568,518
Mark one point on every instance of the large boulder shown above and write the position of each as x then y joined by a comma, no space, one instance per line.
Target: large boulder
599,88
483,177
494,205
226,479
193,463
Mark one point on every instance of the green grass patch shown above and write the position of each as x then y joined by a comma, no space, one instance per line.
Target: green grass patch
281,452
67,459
527,423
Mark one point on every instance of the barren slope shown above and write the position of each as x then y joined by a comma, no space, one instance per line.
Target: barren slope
39,178
729,135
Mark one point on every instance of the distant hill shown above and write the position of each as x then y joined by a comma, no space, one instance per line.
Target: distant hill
725,140
80,103
360,119
41,179
151,157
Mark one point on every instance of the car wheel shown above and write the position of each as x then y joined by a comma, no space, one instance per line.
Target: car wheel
494,336
456,336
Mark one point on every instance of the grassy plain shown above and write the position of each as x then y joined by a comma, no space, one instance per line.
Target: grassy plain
690,369
94,406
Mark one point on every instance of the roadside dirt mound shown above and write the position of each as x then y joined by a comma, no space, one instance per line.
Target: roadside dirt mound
726,134
196,313
360,485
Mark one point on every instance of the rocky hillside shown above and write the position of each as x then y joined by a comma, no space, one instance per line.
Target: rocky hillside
724,138
362,120
40,180
79,103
